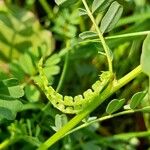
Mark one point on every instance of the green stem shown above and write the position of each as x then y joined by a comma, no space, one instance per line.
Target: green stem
126,136
100,36
47,8
95,103
117,36
104,118
5,144
65,50
64,70
133,18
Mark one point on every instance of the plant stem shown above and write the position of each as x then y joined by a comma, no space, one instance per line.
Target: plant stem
104,118
4,144
133,18
64,69
100,36
95,103
47,8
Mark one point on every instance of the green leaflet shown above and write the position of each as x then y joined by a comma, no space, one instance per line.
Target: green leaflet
88,34
65,2
137,98
111,17
82,12
100,5
115,105
69,104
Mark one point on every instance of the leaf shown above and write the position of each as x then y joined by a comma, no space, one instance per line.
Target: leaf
6,113
87,34
65,2
26,64
24,32
111,17
16,70
115,105
90,146
52,70
145,56
60,121
10,87
52,60
14,105
146,109
136,99
100,5
82,12
59,2
32,93
8,109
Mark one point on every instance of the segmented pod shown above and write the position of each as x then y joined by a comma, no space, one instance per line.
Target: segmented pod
69,104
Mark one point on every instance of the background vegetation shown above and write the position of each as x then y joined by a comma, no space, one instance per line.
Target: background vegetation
31,29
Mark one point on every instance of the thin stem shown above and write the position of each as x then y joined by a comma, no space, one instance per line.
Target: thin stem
133,18
47,8
94,104
117,36
100,36
103,119
64,70
126,136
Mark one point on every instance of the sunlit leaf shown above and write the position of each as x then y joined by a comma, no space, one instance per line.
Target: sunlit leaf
24,32
52,60
26,64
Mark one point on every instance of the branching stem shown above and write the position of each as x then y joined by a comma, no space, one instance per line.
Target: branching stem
95,103
100,36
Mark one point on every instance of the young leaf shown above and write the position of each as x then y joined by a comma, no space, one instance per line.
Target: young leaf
145,57
100,5
60,121
82,12
87,34
115,105
111,17
136,99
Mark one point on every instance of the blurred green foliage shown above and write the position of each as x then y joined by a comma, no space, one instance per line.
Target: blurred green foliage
32,29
